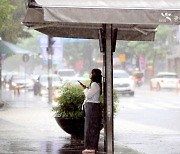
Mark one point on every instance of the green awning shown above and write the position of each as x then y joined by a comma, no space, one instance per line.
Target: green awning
10,48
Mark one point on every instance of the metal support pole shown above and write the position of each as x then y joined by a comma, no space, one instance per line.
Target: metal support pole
0,71
102,45
105,100
109,130
1,104
50,53
25,69
107,43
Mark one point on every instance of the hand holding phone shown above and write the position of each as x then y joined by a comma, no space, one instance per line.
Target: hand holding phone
81,84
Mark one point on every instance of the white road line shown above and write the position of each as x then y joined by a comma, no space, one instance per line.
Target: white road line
148,105
129,126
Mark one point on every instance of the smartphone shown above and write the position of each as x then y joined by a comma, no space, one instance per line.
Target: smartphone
80,83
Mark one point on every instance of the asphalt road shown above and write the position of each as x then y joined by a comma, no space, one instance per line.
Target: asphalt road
147,123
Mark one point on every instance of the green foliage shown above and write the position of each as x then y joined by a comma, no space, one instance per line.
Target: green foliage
162,44
31,43
85,51
70,100
6,10
12,13
115,101
163,32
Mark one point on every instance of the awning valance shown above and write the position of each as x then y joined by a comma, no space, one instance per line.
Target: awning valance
113,12
135,20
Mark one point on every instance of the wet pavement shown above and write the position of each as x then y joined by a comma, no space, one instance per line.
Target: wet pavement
34,130
144,125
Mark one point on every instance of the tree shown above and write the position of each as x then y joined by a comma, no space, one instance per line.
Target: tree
12,13
162,45
152,50
31,43
6,10
75,51
138,49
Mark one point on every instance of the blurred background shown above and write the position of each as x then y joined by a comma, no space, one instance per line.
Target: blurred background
83,55
148,71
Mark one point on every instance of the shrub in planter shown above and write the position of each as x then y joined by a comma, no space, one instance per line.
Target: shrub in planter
69,106
69,102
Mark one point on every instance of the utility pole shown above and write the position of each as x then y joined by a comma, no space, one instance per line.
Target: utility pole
50,53
0,71
1,104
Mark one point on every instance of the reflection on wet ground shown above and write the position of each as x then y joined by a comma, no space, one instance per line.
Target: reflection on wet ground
34,130
25,146
145,124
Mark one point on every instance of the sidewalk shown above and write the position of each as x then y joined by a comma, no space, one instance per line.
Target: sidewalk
35,131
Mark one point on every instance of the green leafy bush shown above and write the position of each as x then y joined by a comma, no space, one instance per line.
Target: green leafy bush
70,100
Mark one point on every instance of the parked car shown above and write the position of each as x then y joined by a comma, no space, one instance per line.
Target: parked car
75,80
66,74
41,85
165,80
123,82
21,81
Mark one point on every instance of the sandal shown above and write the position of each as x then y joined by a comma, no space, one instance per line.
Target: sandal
88,151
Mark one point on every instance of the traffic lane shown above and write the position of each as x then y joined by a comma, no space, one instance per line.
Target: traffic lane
148,124
148,139
151,112
157,120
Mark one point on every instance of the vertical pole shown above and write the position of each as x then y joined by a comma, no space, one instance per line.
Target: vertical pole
109,91
0,71
105,101
25,67
25,78
1,104
50,70
102,45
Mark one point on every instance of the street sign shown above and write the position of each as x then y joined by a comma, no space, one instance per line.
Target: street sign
25,57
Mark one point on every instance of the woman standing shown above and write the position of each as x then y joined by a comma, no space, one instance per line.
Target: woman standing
92,112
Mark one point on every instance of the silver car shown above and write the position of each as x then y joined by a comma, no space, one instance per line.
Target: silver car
123,82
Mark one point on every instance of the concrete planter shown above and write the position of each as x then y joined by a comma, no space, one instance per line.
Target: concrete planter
74,127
